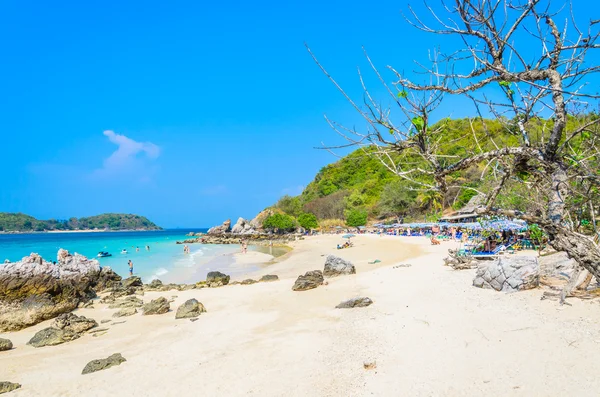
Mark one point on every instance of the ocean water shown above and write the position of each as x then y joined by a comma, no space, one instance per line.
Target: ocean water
165,259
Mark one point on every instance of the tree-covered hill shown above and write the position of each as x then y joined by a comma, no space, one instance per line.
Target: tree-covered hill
360,183
18,222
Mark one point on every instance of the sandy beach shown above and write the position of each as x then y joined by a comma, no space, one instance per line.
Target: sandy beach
428,333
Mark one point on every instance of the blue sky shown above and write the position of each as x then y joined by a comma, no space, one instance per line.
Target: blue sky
187,112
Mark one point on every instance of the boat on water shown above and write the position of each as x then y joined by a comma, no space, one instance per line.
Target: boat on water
104,254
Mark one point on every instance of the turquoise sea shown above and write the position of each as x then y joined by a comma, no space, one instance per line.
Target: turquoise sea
164,260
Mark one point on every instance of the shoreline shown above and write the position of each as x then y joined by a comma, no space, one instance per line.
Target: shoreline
84,231
428,332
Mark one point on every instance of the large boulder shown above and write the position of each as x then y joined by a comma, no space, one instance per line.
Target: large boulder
155,284
336,266
33,290
157,306
257,222
6,387
66,327
133,281
190,309
362,301
104,363
221,229
309,280
508,273
129,302
217,279
5,344
125,312
242,226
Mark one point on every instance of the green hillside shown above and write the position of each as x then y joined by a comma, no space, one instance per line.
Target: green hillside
18,222
360,183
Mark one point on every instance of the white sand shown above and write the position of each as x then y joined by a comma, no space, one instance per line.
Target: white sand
429,331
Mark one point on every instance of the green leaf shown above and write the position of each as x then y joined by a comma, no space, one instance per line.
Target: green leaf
504,84
403,94
419,123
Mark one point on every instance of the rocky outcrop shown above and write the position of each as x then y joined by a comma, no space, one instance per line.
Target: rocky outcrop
242,226
155,284
5,344
125,312
308,281
217,279
6,387
66,327
157,306
133,281
514,273
336,266
130,301
249,281
262,239
269,278
258,220
33,290
190,309
221,229
104,363
355,302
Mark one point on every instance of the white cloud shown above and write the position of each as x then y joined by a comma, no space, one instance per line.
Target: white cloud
131,158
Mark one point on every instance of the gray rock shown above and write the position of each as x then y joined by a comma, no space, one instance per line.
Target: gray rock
73,323
269,277
125,312
133,281
6,387
157,306
190,309
33,290
355,302
336,266
221,229
308,281
5,344
514,273
51,337
155,284
130,301
217,279
249,281
104,363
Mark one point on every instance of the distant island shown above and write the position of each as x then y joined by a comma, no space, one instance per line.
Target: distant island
18,222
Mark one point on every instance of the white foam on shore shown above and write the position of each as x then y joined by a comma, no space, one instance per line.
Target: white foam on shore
161,271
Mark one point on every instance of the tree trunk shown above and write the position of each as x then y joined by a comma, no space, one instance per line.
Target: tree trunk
578,247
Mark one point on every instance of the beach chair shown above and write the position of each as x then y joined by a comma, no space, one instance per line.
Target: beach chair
489,254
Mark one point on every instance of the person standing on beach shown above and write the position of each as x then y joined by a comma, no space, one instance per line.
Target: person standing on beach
130,268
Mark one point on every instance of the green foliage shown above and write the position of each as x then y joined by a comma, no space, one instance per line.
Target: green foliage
396,199
11,222
356,218
536,234
308,221
290,205
279,222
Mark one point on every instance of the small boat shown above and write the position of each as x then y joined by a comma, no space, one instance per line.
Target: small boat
124,251
103,254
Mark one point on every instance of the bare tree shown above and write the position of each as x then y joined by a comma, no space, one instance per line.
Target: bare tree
520,67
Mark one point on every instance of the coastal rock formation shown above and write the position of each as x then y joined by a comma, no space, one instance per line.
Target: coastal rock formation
104,363
216,279
5,344
258,220
33,290
355,302
66,327
130,301
269,278
133,281
155,284
6,387
125,312
221,229
190,309
309,280
508,274
242,227
249,281
336,266
157,306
